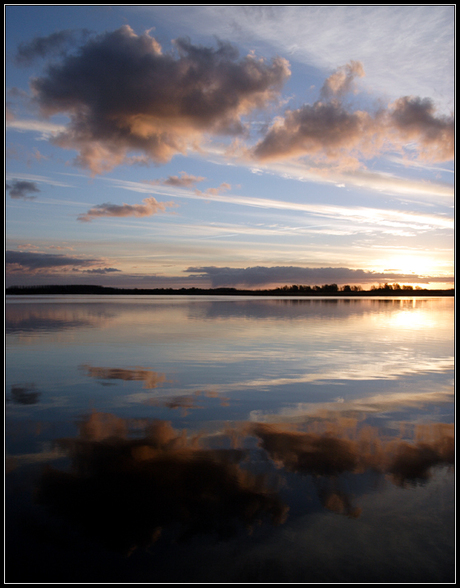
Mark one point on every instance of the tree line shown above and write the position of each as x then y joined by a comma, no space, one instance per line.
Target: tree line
287,290
330,288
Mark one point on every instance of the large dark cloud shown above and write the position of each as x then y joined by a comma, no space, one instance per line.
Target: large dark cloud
256,277
123,93
22,189
331,130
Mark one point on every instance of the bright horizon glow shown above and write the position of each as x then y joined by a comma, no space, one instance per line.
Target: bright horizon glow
275,150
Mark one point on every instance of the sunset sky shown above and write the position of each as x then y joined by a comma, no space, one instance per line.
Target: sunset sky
250,147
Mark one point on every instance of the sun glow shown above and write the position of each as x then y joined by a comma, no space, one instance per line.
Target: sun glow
411,264
413,319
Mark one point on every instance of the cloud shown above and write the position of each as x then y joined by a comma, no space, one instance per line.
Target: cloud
405,49
26,260
51,45
33,178
415,119
122,93
22,189
330,131
184,180
224,187
341,82
368,179
101,271
59,247
47,129
256,277
324,131
151,206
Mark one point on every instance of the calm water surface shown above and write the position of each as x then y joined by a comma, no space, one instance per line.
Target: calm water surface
215,439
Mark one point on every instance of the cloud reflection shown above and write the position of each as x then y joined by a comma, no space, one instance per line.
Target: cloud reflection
24,394
124,492
346,448
368,405
53,318
150,378
184,402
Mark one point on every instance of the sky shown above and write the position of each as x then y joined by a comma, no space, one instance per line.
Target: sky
229,146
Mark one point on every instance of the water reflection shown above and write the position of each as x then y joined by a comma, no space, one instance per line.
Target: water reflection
314,436
331,455
24,394
151,379
185,402
125,491
300,308
30,317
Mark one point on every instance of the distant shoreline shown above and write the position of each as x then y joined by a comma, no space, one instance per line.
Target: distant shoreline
285,291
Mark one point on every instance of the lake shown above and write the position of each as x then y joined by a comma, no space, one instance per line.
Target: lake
229,439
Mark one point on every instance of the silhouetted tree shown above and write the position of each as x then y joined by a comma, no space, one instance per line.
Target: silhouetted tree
330,288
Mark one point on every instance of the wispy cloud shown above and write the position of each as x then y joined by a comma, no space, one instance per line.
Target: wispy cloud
46,128
387,219
359,371
405,49
149,207
387,402
101,271
224,187
323,172
37,179
183,180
